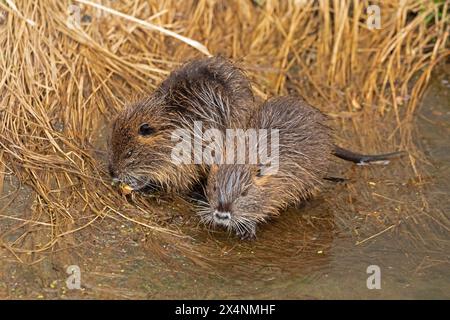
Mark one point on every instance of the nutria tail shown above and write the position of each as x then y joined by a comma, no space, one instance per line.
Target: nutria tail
362,159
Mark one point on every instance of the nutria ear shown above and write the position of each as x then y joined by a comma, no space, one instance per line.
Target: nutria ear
258,177
214,168
258,171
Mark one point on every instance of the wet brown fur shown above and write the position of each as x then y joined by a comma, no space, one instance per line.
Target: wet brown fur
211,90
304,156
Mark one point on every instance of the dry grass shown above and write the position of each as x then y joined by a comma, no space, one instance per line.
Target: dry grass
60,86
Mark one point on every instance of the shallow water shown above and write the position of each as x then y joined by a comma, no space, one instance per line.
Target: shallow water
383,216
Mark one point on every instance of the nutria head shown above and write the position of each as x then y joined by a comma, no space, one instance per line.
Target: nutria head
212,91
141,147
239,197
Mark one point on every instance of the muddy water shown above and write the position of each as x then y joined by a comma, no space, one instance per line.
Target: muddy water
384,216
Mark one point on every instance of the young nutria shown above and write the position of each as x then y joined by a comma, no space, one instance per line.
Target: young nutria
211,90
240,196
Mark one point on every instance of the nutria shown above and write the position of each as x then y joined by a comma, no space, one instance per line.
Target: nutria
211,90
240,196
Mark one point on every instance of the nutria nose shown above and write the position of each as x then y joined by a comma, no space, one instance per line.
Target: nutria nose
222,215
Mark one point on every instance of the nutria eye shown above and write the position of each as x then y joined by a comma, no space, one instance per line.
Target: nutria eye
129,153
145,129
